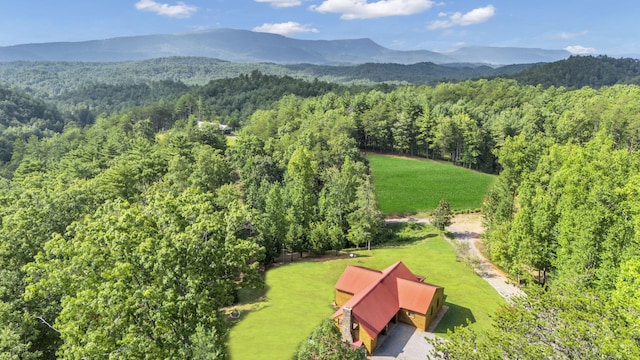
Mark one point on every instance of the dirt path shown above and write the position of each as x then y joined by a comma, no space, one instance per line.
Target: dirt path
409,343
466,229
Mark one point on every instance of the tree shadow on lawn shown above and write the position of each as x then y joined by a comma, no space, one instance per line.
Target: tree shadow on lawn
456,316
315,257
248,300
406,240
462,235
407,233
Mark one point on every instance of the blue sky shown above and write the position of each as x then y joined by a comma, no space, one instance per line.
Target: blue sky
580,26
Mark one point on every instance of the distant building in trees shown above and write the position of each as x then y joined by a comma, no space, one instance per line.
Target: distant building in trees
225,129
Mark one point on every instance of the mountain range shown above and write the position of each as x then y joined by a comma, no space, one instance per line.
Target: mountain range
248,46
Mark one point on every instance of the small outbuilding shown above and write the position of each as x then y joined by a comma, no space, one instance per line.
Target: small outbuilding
371,301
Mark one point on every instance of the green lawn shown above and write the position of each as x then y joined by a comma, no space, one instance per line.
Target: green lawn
408,185
299,294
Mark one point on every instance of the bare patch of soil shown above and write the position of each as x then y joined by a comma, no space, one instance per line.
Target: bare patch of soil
466,229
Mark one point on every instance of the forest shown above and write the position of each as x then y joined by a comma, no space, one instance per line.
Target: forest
124,233
50,79
579,71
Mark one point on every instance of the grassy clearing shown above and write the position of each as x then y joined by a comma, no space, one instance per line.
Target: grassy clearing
299,295
408,185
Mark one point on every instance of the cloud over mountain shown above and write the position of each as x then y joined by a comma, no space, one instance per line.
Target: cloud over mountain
286,28
580,50
475,16
180,10
362,9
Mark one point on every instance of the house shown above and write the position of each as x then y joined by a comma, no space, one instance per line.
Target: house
370,302
224,129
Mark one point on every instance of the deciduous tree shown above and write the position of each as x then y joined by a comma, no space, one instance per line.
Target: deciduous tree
442,215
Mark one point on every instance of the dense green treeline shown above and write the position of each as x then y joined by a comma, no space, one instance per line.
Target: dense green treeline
565,199
109,98
230,101
424,73
156,84
580,71
124,235
566,211
118,240
563,321
234,100
48,79
461,122
469,122
23,117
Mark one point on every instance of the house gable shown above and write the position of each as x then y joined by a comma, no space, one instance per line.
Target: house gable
416,296
356,278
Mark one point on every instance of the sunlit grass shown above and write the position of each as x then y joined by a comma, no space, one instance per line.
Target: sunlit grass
408,185
299,295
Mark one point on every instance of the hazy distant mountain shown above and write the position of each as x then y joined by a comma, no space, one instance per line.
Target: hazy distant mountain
247,46
507,55
630,55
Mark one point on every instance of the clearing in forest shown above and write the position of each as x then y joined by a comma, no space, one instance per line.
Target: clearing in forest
299,294
411,185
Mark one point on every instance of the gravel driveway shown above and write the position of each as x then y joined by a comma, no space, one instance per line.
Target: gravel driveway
467,228
408,343
404,342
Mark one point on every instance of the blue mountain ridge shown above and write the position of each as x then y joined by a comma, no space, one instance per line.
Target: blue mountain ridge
248,46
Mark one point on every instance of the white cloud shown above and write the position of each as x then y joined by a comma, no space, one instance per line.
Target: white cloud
580,50
398,44
180,10
567,36
475,16
281,3
362,9
286,29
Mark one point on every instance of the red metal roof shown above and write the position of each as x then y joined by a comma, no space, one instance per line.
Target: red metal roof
374,307
415,296
356,278
375,303
399,269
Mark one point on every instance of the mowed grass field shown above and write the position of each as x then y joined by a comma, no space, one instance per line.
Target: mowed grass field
410,185
299,295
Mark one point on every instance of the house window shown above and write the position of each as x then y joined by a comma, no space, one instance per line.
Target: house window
411,314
